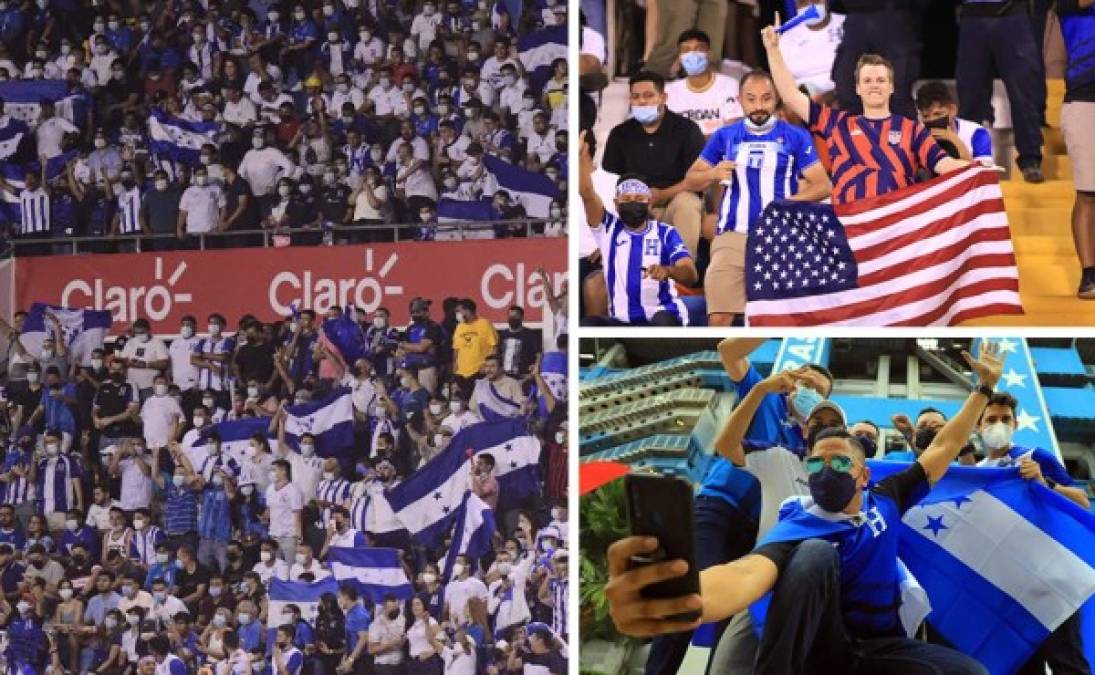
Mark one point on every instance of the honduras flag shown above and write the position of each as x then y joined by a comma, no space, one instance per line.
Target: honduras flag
376,572
15,175
23,100
465,210
348,336
177,139
12,133
235,436
330,420
538,49
83,330
429,500
532,190
473,533
1004,561
553,370
303,594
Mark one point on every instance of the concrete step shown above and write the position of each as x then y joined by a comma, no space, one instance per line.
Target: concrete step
1044,244
1055,166
1040,221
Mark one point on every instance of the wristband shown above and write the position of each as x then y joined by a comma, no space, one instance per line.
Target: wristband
1050,483
985,390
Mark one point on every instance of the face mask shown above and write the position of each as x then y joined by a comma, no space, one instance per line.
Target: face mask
385,82
33,377
459,316
328,475
307,449
997,436
644,114
299,16
380,413
161,558
52,449
201,180
159,596
138,523
66,49
450,183
66,593
110,623
831,489
215,590
257,143
219,621
127,591
408,87
100,143
132,619
305,189
429,577
284,190
869,446
41,54
633,214
694,63
924,438
435,408
206,160
510,80
218,479
333,38
472,56
393,614
160,389
805,399
456,406
266,556
457,569
253,392
755,128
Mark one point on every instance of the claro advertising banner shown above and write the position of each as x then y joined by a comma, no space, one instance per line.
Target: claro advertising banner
269,282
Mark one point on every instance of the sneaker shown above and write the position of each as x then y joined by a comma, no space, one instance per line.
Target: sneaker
1033,174
1087,287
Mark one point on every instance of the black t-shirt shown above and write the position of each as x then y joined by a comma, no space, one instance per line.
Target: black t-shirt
112,399
188,582
333,202
29,399
661,158
234,192
255,361
518,349
553,661
905,488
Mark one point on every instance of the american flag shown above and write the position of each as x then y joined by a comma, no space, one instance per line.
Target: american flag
933,254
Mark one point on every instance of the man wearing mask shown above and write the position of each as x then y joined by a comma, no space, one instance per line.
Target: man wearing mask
115,409
459,415
161,415
659,145
641,287
160,209
285,657
145,356
15,476
518,345
387,634
56,408
211,357
215,473
262,167
58,477
760,159
184,374
473,340
201,208
419,348
818,537
705,96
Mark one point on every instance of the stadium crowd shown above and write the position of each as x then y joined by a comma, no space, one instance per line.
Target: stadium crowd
826,109
186,119
138,536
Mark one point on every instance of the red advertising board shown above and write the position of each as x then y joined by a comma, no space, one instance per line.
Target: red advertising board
266,282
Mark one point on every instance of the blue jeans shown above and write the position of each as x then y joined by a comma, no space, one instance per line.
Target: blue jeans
805,634
723,533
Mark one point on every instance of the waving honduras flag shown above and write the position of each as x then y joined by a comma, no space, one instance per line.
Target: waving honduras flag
473,533
330,420
553,370
464,210
178,139
1004,561
347,336
376,572
429,500
12,132
538,49
235,437
15,175
23,100
303,594
83,330
532,190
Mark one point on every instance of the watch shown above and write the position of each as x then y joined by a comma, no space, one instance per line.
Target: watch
985,389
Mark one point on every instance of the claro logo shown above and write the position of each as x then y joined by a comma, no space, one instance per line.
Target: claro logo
127,303
504,285
303,289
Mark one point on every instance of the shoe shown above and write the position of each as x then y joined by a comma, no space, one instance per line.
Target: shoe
1033,174
1087,287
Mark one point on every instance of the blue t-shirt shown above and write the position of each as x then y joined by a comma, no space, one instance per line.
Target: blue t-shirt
1051,468
767,167
357,620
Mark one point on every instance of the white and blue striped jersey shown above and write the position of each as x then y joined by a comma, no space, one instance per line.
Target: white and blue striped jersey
34,209
632,296
767,167
976,138
129,209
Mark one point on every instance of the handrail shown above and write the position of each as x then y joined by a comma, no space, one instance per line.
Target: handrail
461,228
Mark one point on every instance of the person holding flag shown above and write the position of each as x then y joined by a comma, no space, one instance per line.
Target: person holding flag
830,564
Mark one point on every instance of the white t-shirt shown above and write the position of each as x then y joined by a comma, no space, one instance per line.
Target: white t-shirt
159,414
316,568
49,135
457,594
458,662
710,108
202,204
279,569
284,505
810,53
153,350
136,488
780,474
383,629
306,473
183,373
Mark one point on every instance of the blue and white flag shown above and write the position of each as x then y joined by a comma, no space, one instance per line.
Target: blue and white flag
303,594
178,139
553,370
15,175
537,50
376,572
347,335
1004,561
12,133
465,210
473,533
330,420
429,500
532,190
23,100
235,436
83,330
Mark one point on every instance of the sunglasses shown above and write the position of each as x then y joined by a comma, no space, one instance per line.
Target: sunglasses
839,463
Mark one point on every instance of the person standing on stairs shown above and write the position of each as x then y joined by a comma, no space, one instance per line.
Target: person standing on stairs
1077,122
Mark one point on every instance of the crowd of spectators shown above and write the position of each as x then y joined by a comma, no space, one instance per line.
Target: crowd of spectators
132,542
324,113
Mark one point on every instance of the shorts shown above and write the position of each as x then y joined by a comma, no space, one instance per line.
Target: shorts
1077,122
724,282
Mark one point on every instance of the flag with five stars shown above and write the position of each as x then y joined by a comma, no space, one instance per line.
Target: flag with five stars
933,254
1004,561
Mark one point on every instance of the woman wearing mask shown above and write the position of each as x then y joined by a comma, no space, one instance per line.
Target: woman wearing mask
211,642
330,634
420,637
556,225
288,212
67,621
370,205
38,533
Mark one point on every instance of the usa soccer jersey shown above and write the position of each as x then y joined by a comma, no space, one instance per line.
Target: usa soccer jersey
633,297
767,167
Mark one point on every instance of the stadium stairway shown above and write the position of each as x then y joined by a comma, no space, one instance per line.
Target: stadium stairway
1041,228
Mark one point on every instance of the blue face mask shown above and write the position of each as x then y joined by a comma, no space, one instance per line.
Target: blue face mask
694,63
805,399
832,489
645,114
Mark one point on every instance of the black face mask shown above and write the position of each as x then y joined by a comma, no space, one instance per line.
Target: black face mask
924,438
514,323
393,613
117,377
633,214
869,446
832,489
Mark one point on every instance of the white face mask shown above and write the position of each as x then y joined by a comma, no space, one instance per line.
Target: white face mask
435,408
138,523
438,440
456,406
253,392
161,184
266,556
201,179
33,377
72,525
52,449
247,490
160,389
307,449
66,594
301,558
997,436
178,480
328,475
457,569
161,558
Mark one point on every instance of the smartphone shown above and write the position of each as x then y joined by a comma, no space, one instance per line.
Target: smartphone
661,506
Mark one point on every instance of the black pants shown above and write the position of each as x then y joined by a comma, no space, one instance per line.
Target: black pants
804,631
890,33
465,385
1063,652
723,533
662,318
1003,46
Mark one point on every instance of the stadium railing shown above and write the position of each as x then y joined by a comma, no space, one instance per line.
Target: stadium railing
398,232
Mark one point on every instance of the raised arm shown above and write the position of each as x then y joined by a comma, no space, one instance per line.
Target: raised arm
595,208
734,353
792,98
729,441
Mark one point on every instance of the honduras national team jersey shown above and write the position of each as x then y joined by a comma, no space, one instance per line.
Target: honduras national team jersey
767,167
632,296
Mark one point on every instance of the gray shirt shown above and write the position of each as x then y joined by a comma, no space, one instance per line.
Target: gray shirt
161,209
